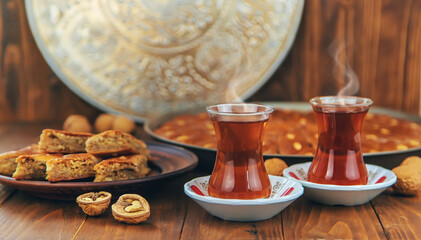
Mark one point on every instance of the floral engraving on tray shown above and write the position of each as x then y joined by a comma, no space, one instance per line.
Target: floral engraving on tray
139,56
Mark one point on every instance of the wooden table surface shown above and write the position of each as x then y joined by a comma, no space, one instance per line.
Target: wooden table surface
174,216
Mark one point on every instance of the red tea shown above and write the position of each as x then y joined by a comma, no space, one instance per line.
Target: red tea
338,159
239,171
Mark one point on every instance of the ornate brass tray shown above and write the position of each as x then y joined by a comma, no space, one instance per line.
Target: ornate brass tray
140,57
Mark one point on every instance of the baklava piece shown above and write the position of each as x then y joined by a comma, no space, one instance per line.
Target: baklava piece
57,141
71,166
8,159
121,168
115,143
32,167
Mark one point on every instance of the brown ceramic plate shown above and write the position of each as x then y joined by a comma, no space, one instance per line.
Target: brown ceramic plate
166,162
207,156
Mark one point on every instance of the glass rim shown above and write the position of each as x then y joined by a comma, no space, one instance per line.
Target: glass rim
268,109
317,101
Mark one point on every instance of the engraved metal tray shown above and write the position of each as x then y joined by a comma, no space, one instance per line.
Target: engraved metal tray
387,159
140,57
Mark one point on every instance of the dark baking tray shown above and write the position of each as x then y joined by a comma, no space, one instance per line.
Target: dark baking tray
207,156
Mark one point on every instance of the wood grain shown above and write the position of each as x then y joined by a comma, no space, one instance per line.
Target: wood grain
380,39
5,192
29,90
400,215
307,220
168,207
26,217
199,224
15,136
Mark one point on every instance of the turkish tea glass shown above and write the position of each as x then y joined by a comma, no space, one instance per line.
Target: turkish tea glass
338,159
239,171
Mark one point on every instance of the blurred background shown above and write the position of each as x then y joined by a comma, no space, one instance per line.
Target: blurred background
379,39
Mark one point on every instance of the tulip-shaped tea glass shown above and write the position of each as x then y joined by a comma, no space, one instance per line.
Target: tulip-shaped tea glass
239,171
338,159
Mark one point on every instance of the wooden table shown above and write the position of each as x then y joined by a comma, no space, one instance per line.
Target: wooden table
174,216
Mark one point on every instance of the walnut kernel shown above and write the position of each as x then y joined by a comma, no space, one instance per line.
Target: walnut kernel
131,208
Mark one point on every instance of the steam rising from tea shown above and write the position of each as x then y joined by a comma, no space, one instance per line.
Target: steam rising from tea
342,70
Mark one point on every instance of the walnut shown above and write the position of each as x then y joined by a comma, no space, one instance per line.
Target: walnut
124,124
77,123
104,122
275,166
94,204
412,161
409,180
131,208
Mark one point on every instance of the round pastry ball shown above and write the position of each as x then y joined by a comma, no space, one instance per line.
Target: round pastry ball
77,123
275,166
124,124
104,122
412,161
409,180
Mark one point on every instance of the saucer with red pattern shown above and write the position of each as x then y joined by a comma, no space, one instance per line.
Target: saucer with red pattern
379,179
284,192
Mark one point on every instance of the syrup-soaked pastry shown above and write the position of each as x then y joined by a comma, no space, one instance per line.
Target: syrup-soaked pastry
57,141
32,167
8,159
115,143
121,168
71,166
295,132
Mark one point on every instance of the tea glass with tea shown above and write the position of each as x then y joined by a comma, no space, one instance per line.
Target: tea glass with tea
338,159
239,171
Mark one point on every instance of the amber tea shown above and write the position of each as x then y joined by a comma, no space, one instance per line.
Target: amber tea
239,172
338,159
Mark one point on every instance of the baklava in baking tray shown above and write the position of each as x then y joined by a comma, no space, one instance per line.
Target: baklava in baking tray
388,136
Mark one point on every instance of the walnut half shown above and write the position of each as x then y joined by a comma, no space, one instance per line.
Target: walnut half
94,204
131,208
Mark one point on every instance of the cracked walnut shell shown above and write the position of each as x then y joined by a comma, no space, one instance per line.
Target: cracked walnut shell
131,208
94,204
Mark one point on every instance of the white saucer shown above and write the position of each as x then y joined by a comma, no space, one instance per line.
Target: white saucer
284,192
349,195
